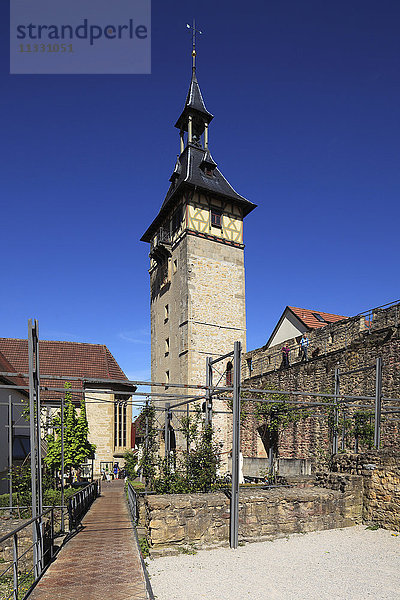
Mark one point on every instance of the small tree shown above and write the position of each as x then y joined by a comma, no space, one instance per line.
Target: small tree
195,469
83,448
131,461
77,447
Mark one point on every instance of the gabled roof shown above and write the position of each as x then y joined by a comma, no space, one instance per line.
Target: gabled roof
193,176
309,318
64,359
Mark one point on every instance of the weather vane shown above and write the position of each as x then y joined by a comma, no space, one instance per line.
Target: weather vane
194,31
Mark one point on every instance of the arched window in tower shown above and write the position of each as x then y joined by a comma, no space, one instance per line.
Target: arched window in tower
229,373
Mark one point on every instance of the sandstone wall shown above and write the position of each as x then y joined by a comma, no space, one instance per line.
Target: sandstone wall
203,519
381,479
327,339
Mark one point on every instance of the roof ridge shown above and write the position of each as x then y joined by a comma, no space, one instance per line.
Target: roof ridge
315,310
52,341
106,360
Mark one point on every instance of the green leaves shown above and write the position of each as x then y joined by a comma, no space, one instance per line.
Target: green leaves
77,447
148,460
195,469
274,417
131,461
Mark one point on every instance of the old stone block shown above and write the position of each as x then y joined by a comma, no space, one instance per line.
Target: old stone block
158,502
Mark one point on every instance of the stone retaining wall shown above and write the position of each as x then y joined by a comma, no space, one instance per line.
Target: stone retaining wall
381,480
180,520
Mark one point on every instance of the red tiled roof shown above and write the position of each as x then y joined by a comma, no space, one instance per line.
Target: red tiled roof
307,316
6,367
66,359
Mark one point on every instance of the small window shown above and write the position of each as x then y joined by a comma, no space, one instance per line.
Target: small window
166,379
229,373
167,347
216,218
319,318
250,365
166,313
175,268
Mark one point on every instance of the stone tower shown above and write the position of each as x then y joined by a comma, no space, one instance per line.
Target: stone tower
197,281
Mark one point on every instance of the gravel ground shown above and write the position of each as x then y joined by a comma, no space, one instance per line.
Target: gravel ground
350,564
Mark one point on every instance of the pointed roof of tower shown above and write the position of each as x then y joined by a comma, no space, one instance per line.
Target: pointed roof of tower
193,176
194,104
195,168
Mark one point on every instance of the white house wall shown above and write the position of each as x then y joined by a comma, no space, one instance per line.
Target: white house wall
17,398
289,328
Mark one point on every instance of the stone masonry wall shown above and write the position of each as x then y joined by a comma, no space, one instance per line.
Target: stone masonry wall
381,479
327,339
203,519
310,437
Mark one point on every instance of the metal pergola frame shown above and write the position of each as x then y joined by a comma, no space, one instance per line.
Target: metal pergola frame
207,393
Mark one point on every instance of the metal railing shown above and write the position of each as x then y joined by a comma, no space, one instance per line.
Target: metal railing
18,577
134,510
79,503
133,503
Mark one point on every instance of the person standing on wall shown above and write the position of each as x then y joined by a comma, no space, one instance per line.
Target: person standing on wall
285,355
304,343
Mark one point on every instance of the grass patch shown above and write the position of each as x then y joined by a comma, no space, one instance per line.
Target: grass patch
144,547
191,549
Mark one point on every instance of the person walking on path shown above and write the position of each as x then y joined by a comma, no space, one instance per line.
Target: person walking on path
285,355
304,343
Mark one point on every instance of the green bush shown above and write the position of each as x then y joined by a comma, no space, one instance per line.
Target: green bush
5,499
131,461
50,498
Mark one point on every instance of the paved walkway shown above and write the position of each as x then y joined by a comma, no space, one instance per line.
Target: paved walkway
102,561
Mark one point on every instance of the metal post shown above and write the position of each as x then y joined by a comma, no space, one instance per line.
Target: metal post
33,440
234,532
62,464
52,533
15,566
166,432
10,452
208,392
38,423
187,433
344,431
378,402
270,460
336,413
146,440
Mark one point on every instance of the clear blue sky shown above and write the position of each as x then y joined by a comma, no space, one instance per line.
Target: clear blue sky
306,102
